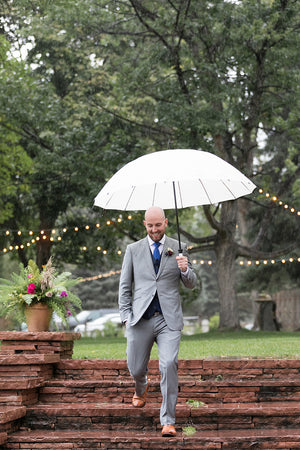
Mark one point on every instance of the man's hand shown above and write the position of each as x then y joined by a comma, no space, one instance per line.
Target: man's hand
182,262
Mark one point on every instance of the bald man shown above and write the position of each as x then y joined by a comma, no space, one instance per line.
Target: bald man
150,306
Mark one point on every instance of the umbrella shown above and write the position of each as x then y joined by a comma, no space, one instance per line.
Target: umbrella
176,178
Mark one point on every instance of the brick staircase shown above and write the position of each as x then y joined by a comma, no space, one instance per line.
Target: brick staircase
49,401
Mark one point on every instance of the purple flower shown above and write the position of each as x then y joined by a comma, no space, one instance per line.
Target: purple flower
69,312
31,288
64,294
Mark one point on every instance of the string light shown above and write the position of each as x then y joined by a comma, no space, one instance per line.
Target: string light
101,275
109,222
46,233
65,229
280,202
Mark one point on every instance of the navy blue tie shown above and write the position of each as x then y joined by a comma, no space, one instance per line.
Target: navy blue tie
156,256
156,253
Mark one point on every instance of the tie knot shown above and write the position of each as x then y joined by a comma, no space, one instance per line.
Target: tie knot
157,244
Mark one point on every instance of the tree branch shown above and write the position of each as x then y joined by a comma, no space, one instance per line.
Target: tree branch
26,133
211,219
140,11
202,248
157,130
197,240
249,252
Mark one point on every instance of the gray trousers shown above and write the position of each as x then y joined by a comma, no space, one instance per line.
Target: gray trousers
140,339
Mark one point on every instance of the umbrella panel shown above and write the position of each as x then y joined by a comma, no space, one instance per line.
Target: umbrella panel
188,193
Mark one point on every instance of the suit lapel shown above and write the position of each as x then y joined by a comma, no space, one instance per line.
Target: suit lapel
147,254
164,258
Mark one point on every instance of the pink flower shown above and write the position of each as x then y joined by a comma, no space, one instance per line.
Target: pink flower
30,275
31,288
69,312
63,294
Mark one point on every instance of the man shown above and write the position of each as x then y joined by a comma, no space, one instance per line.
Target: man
150,307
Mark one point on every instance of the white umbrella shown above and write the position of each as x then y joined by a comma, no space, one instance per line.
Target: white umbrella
175,178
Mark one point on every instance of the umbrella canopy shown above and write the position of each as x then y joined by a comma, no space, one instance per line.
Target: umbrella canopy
170,179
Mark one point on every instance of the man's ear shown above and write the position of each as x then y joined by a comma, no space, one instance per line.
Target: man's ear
166,221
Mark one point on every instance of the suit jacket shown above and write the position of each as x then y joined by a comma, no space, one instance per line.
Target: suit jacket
139,282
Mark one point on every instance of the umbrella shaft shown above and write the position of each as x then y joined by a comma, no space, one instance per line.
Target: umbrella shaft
177,221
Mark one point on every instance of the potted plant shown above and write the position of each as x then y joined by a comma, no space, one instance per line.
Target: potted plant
33,295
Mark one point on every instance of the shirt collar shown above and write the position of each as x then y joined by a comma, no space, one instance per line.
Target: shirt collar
151,242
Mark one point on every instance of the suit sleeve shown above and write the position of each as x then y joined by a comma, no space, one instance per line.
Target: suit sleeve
125,286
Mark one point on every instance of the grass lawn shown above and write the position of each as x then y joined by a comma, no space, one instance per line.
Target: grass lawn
242,343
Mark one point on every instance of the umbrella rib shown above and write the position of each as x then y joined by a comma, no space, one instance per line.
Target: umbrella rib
154,191
131,194
234,196
245,185
179,190
205,191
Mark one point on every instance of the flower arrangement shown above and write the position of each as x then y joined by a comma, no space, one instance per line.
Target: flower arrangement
169,252
32,286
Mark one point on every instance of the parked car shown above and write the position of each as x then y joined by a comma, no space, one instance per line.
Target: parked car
95,327
81,318
87,315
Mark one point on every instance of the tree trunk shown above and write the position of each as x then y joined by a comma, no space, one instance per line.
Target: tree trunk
226,255
229,317
43,250
44,244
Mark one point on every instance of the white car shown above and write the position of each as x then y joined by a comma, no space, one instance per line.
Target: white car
97,326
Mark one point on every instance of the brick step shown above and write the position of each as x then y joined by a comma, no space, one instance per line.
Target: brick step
226,439
116,391
3,438
105,416
10,417
27,365
206,369
17,391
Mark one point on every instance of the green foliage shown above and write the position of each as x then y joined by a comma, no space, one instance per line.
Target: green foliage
111,329
195,403
189,431
214,322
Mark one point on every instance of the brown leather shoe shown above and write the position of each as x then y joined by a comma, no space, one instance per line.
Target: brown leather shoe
140,402
168,430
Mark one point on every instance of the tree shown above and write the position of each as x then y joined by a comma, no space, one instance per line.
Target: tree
212,76
48,102
136,76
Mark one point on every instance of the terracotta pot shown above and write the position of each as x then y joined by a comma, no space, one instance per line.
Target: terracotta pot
38,317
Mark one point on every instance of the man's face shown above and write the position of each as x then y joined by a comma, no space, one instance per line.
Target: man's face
155,224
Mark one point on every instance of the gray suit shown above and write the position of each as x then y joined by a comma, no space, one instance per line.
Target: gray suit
138,284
